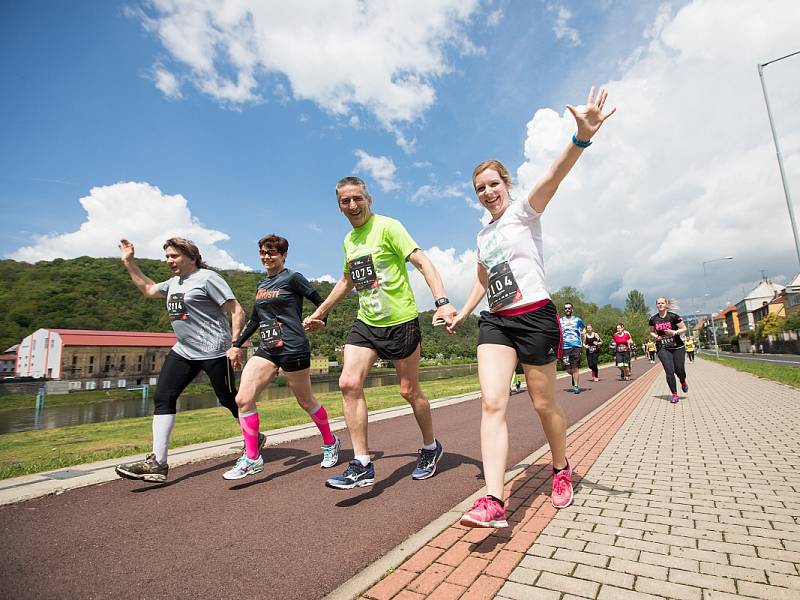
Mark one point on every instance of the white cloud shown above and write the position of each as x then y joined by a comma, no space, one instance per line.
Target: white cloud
326,278
687,165
381,168
137,211
423,164
458,273
426,193
562,29
381,56
165,81
494,18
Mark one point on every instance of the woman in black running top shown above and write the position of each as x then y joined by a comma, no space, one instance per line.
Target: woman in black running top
666,327
592,343
276,315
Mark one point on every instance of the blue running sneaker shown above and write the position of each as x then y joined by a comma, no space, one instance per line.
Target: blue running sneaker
684,387
355,475
426,463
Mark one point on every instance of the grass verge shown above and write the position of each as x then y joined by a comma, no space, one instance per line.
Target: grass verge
35,451
779,373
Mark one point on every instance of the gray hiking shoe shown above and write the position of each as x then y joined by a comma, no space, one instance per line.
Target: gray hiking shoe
148,469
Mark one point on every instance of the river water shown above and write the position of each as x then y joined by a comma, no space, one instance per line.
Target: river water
60,416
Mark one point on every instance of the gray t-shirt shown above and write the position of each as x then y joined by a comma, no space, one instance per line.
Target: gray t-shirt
194,305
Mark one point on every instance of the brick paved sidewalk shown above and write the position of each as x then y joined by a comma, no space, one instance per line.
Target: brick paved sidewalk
697,501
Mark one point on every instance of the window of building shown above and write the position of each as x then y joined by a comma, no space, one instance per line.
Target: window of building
122,363
91,385
121,383
107,366
139,364
106,385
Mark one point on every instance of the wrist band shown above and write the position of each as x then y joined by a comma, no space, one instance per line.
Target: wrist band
580,143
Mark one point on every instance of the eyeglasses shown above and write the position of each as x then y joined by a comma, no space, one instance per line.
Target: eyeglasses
344,201
268,253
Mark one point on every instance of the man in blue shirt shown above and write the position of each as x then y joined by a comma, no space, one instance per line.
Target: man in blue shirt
572,332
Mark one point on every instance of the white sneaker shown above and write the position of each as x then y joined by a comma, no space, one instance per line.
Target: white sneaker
330,454
244,467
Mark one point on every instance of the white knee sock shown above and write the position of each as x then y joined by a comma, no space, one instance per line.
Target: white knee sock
162,430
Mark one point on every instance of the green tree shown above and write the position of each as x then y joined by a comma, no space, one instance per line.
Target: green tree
635,303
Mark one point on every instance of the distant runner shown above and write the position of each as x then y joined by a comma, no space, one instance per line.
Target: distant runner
622,348
284,345
592,343
572,332
651,351
387,326
666,327
198,302
690,349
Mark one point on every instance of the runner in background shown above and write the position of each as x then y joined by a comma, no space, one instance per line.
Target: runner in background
522,323
572,332
622,347
283,344
198,302
690,349
651,350
592,342
666,328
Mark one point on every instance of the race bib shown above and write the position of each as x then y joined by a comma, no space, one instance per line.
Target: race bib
591,349
622,347
503,288
271,334
669,341
363,274
176,308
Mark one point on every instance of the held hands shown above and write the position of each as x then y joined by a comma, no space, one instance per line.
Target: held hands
456,321
235,356
590,116
444,315
313,323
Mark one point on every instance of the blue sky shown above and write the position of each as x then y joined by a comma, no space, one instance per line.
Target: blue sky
151,119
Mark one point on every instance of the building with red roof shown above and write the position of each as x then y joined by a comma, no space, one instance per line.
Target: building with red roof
118,358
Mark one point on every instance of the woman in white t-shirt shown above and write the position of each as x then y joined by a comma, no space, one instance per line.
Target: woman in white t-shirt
522,322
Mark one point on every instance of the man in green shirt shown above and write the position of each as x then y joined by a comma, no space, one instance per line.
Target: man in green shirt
387,325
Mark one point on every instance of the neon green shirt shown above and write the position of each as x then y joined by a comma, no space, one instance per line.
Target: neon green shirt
375,260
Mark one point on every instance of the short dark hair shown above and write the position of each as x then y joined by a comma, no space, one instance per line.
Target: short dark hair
274,242
352,180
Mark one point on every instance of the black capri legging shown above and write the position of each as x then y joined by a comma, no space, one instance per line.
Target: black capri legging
674,363
178,372
591,360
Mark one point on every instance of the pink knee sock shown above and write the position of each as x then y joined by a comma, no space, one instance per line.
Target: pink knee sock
320,417
250,424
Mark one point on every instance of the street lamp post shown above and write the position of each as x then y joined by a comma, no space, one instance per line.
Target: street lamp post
710,313
778,152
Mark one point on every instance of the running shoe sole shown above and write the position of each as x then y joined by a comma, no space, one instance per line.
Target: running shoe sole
350,486
157,477
468,521
237,476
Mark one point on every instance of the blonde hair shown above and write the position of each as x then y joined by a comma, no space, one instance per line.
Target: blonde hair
670,304
492,164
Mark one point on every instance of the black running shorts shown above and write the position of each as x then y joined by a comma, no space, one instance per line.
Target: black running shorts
571,358
391,343
536,336
287,362
623,359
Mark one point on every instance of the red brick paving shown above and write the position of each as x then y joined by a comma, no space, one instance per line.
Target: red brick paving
472,564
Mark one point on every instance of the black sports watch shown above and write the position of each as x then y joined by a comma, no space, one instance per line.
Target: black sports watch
441,302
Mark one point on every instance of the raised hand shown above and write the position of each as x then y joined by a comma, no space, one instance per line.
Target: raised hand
126,250
590,116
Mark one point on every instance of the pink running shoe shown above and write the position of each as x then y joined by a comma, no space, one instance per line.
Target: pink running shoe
486,512
674,399
561,496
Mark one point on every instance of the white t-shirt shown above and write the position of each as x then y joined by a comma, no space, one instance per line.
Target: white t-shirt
194,304
510,249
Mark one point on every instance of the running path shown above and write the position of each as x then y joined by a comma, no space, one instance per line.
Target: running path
470,564
696,501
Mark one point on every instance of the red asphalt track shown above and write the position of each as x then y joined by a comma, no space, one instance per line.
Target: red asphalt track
280,534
